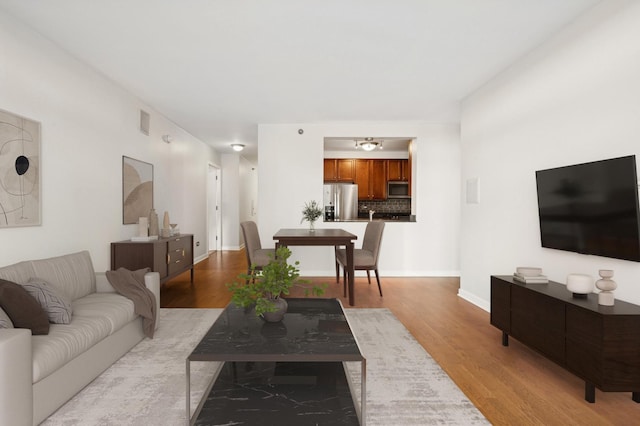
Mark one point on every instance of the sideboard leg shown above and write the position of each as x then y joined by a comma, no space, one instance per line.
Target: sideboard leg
505,339
635,396
589,392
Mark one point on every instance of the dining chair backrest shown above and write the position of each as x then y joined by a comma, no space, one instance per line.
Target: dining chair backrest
251,239
373,239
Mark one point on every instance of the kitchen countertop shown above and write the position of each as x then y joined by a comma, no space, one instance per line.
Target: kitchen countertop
410,218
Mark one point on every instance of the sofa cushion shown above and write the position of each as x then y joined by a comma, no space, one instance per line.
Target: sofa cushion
65,342
24,310
5,321
55,304
113,307
18,272
71,274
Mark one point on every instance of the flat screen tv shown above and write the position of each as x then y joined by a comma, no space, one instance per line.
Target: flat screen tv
591,208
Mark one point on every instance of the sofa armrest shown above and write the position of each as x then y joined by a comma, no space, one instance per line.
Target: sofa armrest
16,370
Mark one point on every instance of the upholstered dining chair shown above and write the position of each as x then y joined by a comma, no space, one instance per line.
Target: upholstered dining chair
256,255
366,258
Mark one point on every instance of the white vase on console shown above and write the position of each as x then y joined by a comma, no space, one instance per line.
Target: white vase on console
606,286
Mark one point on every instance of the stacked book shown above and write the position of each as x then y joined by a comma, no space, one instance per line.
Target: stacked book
529,275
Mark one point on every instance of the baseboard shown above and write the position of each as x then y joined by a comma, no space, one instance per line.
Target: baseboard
472,298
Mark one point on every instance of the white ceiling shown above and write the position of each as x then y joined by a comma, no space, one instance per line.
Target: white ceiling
218,68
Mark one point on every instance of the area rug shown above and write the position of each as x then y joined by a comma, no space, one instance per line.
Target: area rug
405,386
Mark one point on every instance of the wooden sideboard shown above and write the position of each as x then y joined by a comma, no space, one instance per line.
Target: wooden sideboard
599,344
169,256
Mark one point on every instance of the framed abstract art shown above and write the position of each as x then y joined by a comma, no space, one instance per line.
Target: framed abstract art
20,186
137,189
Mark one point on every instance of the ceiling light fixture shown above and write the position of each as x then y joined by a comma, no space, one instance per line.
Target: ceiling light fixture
369,144
237,147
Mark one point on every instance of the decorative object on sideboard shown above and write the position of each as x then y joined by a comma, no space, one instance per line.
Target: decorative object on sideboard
580,285
174,229
530,275
20,174
606,285
165,232
154,228
143,227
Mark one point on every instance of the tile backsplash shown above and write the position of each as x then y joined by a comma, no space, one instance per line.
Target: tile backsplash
397,205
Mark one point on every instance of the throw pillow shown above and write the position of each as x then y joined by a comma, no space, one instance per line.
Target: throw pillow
5,321
55,304
24,310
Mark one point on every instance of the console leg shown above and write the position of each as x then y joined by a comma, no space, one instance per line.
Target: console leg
589,392
635,396
505,339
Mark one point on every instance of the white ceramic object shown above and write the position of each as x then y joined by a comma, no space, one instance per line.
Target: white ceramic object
528,271
606,285
580,284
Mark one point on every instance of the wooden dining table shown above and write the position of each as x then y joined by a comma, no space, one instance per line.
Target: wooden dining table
322,237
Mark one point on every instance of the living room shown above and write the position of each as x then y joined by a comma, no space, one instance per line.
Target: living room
570,100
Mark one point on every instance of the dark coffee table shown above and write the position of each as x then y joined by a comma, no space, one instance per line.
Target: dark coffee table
287,373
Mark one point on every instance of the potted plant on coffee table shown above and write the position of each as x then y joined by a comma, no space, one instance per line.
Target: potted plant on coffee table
263,289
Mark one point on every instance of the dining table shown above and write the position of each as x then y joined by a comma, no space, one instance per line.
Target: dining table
322,237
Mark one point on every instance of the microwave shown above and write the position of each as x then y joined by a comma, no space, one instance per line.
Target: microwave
398,189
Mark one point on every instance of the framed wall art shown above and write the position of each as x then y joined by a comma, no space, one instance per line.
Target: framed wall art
137,189
20,195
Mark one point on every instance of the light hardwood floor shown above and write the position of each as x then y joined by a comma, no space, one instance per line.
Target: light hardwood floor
510,386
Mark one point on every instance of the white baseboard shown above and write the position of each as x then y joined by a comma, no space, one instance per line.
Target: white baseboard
472,298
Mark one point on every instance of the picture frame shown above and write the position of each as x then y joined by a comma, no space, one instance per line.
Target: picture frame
20,171
137,189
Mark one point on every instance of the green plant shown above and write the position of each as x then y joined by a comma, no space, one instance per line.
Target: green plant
262,287
311,211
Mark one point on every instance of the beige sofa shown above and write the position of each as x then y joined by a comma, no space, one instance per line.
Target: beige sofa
39,373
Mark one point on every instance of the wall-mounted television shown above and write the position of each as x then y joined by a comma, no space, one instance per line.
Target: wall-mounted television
591,208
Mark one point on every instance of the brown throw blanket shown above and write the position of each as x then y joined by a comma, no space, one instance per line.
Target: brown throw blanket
131,285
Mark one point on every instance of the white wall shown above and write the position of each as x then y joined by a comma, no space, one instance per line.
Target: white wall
573,100
291,173
88,124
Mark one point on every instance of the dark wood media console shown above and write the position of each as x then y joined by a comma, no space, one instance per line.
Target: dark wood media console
599,344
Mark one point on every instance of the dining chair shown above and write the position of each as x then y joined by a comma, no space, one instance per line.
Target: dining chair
256,255
365,258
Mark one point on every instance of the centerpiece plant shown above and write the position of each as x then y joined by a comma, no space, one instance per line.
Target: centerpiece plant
311,212
263,289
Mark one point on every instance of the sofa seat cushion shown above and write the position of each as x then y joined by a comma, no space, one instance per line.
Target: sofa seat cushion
66,341
113,307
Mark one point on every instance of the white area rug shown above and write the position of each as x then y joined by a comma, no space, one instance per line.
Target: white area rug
405,386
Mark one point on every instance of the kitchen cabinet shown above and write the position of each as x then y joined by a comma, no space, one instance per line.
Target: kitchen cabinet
168,256
339,170
371,177
398,170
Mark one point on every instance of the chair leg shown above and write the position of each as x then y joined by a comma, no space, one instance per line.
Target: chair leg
368,277
344,282
378,279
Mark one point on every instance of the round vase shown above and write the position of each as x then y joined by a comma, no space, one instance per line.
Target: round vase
277,315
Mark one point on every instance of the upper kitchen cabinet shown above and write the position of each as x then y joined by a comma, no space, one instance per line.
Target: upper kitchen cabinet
339,170
371,177
398,170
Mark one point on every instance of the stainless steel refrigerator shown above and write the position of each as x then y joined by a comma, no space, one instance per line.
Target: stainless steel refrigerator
343,197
